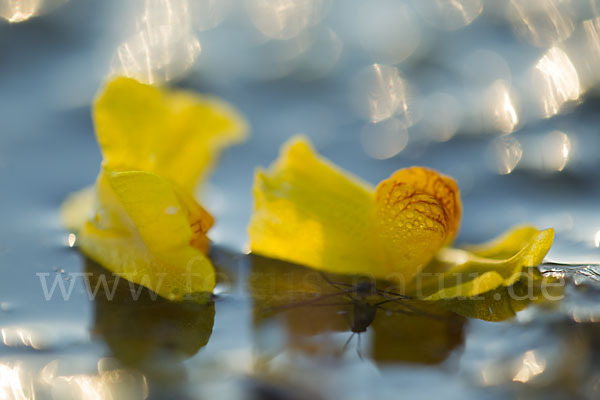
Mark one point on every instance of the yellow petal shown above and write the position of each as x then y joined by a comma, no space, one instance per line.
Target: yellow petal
417,211
504,302
142,231
462,273
309,212
173,133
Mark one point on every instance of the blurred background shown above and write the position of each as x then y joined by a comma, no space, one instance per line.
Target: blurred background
501,95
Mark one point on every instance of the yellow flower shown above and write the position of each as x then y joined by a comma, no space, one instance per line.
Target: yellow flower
140,220
309,212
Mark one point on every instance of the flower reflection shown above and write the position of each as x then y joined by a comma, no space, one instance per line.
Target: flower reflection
320,315
556,81
542,22
284,19
501,112
164,46
144,331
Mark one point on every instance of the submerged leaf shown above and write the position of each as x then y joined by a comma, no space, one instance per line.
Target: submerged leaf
141,220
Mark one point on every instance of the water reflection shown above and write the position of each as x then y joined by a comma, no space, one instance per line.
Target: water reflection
546,152
14,384
590,50
555,81
531,366
110,382
384,139
147,332
387,29
382,93
442,116
284,19
320,316
542,22
208,14
21,10
501,113
507,153
163,47
449,14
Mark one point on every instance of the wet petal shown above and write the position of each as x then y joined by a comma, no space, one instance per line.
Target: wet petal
417,211
309,212
141,220
462,273
142,232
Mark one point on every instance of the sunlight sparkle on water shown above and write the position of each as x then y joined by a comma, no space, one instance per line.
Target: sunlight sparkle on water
449,14
502,114
284,19
388,30
384,139
19,10
556,81
531,366
107,384
508,152
597,239
164,46
383,93
71,239
542,22
12,385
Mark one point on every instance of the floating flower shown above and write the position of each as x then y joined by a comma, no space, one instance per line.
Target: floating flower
309,212
140,220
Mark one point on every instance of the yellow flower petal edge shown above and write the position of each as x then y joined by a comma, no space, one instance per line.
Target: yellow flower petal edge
176,134
500,262
309,212
143,232
140,220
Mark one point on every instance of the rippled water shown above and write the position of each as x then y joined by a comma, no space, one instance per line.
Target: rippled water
503,99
